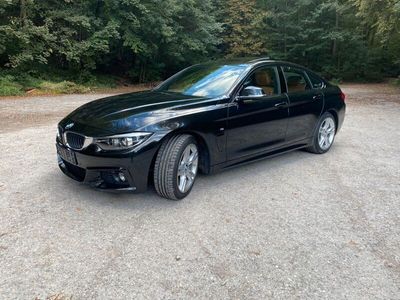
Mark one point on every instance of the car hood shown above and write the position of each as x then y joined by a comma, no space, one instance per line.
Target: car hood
131,112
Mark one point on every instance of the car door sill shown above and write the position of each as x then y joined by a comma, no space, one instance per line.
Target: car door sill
258,156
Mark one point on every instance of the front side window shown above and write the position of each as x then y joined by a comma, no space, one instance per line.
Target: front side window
296,80
211,80
265,78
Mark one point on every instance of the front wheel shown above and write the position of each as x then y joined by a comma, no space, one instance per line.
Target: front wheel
324,134
176,166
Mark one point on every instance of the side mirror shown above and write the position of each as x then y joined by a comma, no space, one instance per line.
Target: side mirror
251,92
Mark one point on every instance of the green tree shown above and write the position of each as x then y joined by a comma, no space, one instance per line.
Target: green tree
241,39
21,41
150,39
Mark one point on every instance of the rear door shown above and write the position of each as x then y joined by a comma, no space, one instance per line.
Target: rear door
258,124
305,104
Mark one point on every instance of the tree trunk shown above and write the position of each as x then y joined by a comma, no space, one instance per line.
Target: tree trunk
22,12
285,33
335,45
142,73
97,9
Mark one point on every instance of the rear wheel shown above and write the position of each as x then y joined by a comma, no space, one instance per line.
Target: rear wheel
176,166
324,135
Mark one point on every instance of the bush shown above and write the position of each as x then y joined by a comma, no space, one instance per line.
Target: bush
335,81
395,81
63,87
17,82
9,87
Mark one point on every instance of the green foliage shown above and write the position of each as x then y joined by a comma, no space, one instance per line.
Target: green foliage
63,87
241,38
148,40
143,39
395,82
13,82
8,86
347,39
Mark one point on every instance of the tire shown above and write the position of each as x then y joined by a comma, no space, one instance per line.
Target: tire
172,166
324,134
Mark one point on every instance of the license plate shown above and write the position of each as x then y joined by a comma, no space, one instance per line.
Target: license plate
67,155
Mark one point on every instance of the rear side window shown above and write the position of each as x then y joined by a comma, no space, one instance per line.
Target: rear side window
317,83
296,80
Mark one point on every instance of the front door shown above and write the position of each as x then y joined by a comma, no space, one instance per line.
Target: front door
257,123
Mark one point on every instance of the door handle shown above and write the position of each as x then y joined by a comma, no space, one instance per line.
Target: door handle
280,104
317,97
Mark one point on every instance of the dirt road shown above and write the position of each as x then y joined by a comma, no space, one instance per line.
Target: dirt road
296,226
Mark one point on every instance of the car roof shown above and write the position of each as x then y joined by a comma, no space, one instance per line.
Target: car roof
254,61
261,60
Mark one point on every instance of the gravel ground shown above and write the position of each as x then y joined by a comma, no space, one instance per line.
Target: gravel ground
295,226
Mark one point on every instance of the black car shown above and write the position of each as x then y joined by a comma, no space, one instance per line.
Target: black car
208,117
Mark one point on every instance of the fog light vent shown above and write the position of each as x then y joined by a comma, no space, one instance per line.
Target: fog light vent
114,179
122,176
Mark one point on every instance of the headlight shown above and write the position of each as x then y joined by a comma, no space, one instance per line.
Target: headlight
122,141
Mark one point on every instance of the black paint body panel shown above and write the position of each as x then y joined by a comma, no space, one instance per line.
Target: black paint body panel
231,132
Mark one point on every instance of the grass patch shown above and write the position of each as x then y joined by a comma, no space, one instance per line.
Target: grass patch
14,83
63,87
395,81
9,87
335,81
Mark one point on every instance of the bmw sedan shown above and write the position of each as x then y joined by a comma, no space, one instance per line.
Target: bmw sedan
206,118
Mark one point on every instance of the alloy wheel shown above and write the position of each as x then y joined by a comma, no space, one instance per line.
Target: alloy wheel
187,168
326,133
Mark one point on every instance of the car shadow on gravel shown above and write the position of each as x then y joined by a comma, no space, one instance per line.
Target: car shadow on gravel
254,168
75,192
206,186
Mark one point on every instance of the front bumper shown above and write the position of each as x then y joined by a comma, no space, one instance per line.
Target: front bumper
105,172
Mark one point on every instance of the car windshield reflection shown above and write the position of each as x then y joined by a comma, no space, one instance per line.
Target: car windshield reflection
204,80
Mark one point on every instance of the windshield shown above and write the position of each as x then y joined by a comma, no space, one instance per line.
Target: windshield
204,80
